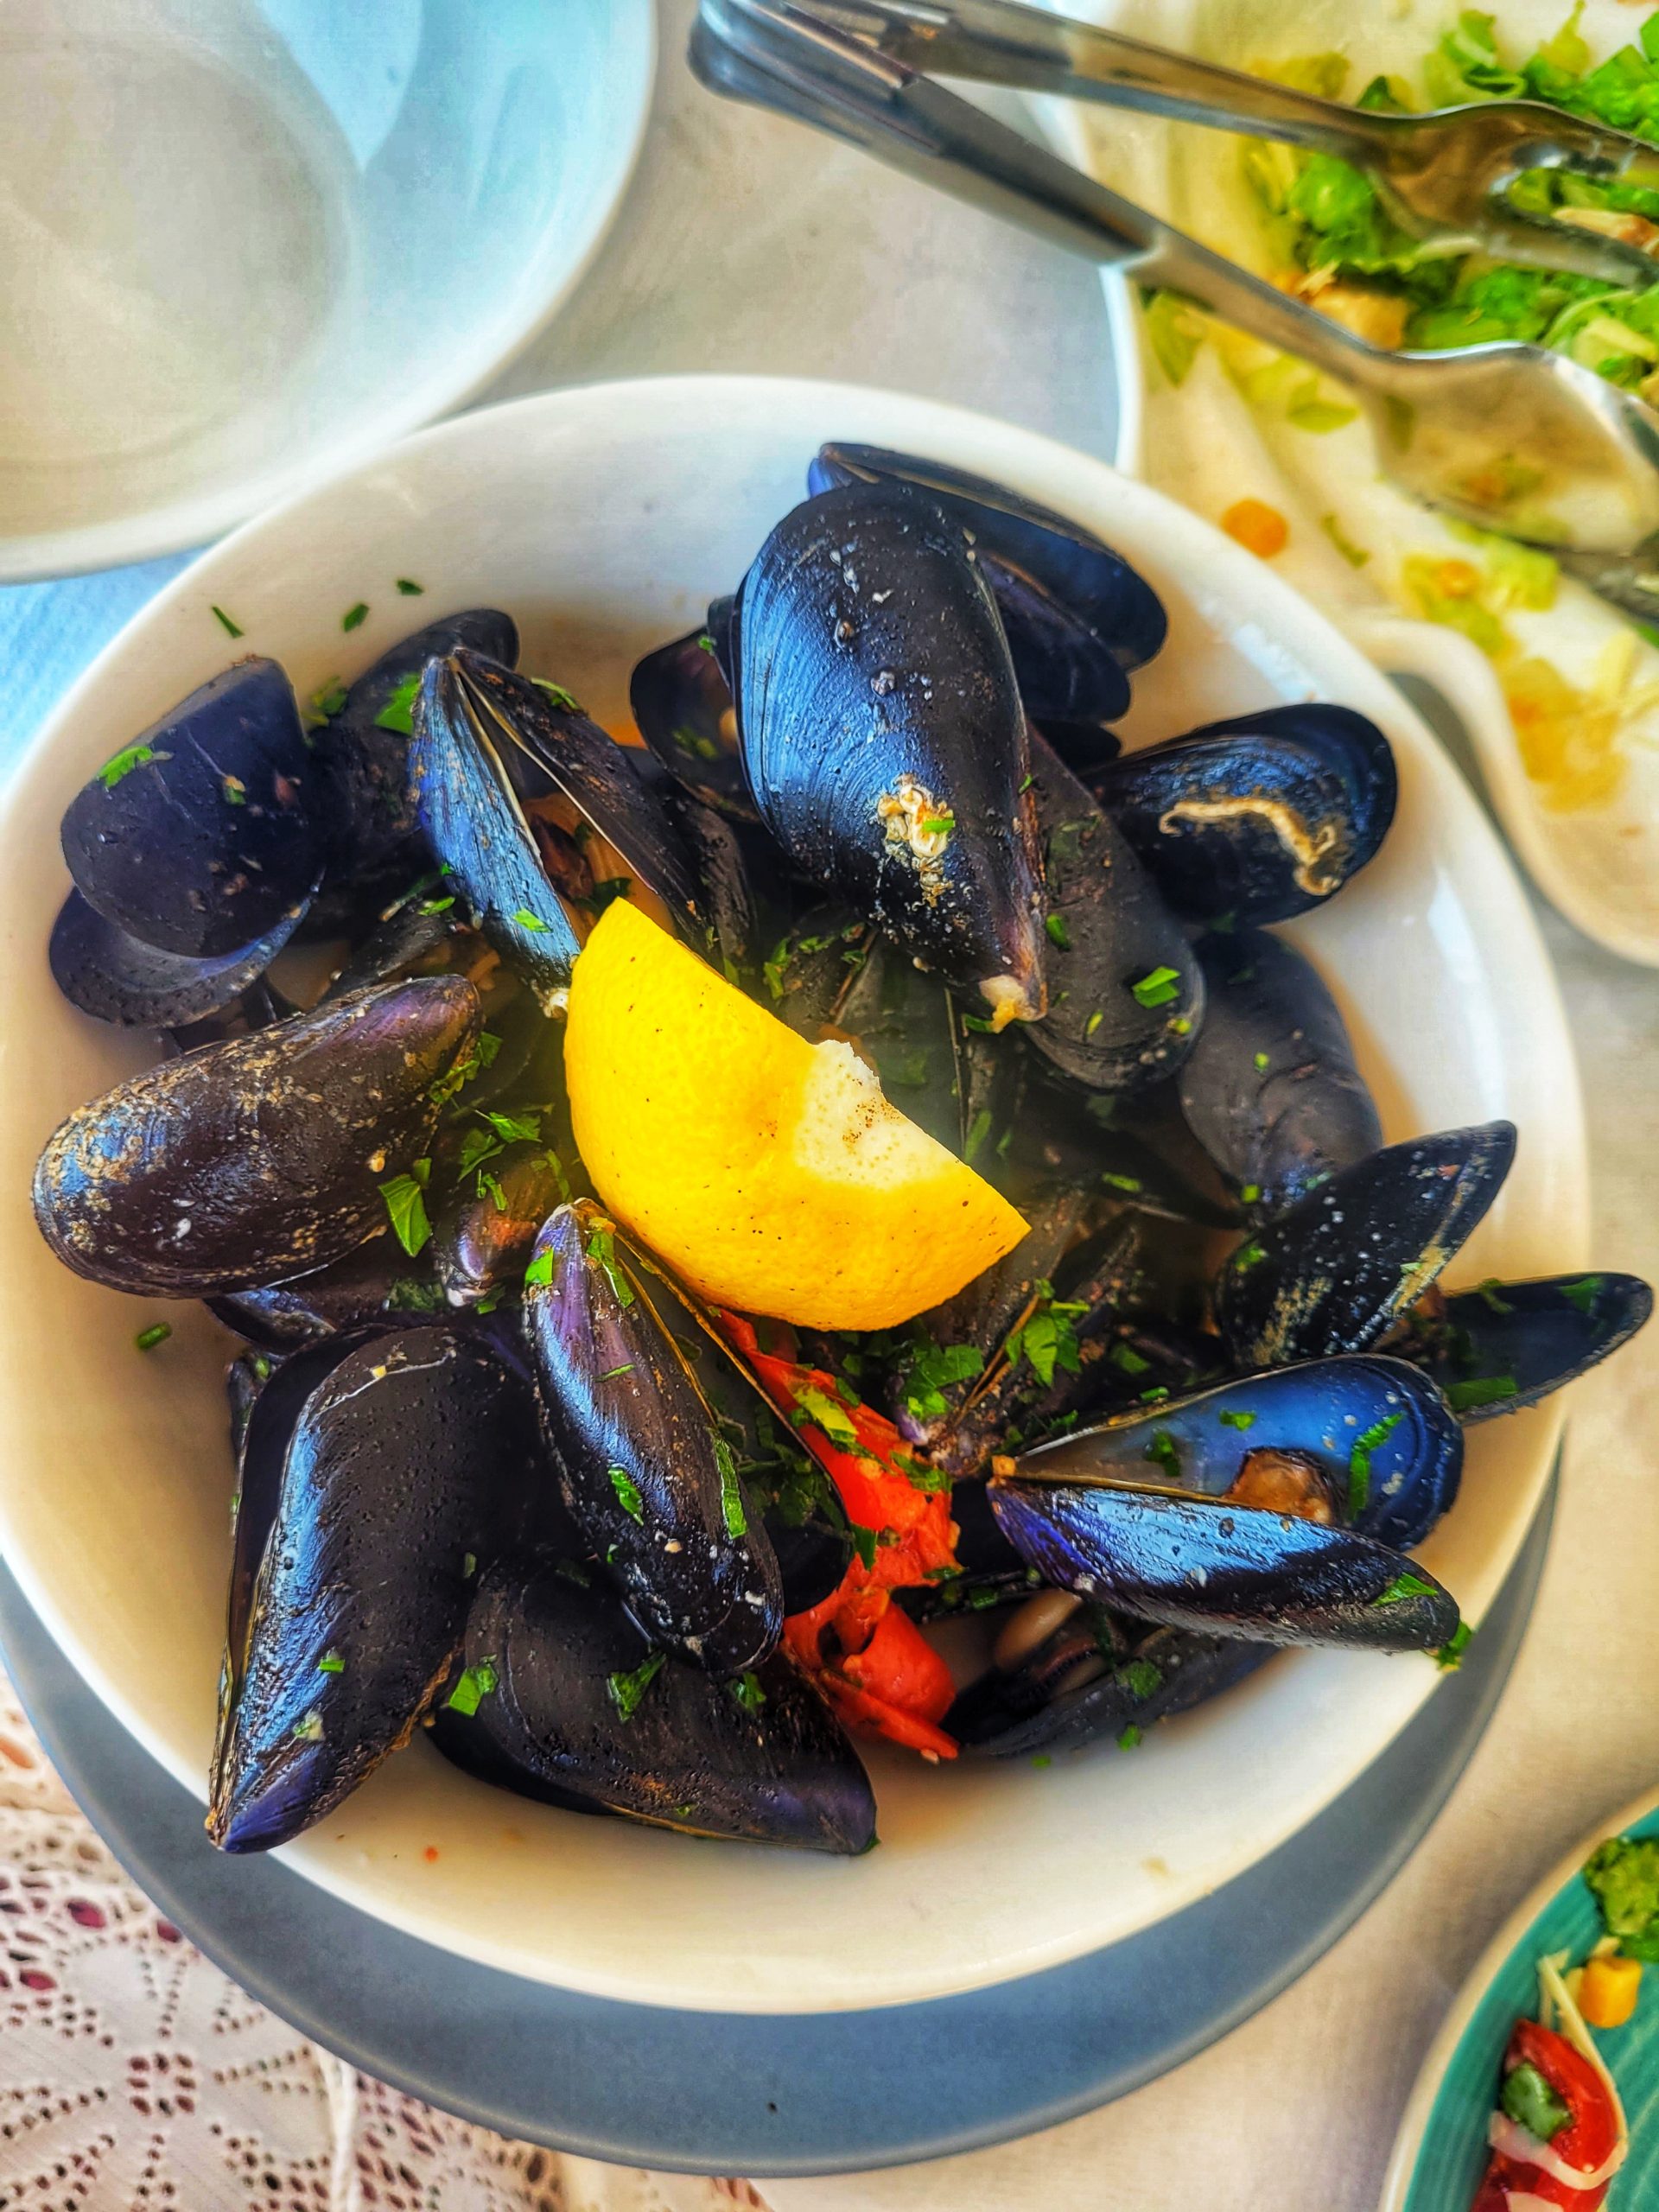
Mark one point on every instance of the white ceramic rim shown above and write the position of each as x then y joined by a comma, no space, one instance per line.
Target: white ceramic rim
1408,2144
1190,546
545,284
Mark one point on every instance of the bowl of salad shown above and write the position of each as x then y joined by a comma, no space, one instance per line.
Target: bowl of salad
1559,691
834,1381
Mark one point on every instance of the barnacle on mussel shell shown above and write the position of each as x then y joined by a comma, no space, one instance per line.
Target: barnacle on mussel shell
883,735
646,1473
578,1699
1274,1509
1271,1089
1077,614
242,1163
1260,818
1333,1271
401,1479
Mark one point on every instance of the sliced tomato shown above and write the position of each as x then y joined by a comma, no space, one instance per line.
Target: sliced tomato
873,1663
1587,2141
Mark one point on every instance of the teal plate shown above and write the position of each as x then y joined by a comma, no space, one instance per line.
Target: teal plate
1441,2153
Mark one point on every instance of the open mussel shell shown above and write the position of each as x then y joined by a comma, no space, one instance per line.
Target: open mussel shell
1077,615
116,977
683,707
244,1163
1063,1672
1333,1272
483,1237
883,736
1507,1344
1260,818
646,1473
362,755
605,782
478,831
201,835
1125,997
394,1492
581,1699
1274,1509
1270,1088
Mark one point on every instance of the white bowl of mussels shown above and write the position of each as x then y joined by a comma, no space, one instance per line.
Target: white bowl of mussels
916,1612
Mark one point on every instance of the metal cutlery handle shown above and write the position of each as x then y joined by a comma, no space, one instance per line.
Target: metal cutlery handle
778,55
998,42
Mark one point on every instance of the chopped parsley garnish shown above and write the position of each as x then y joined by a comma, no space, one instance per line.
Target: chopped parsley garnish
1530,2101
468,1565
1488,1291
1480,1390
1449,1657
1093,1023
540,1269
558,693
936,825
406,1207
481,1056
1047,1341
156,1333
490,1188
627,1690
1026,787
1127,1359
513,1128
979,1129
398,713
705,643
1158,988
864,1544
611,1373
331,1663
747,1691
933,1369
815,1405
731,1494
329,699
1057,932
409,588
235,791
1131,1184
472,1686
1247,1256
1584,1292
1129,1738
1261,1064
309,1727
355,617
627,1495
122,763
1140,1678
437,905
1248,1193
1623,1876
526,920
1403,1587
1163,1452
1354,556
1041,1759
231,629
1359,1461
602,1248
1240,1419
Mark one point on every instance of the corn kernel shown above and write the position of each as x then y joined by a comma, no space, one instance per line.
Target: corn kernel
1608,1991
1257,527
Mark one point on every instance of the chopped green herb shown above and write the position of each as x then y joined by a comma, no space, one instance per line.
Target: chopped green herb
1247,1257
1488,1293
331,1663
731,1494
1127,1359
437,905
627,1690
1584,1292
864,1542
817,1406
1131,1184
409,588
1530,2101
1093,1022
406,1207
601,1247
472,1685
231,629
526,920
1057,932
1140,1678
1174,329
235,791
481,1056
936,825
1248,1193
513,1128
354,617
747,1691
156,1333
1403,1587
398,713
1152,1397
627,1495
570,1570
309,1727
1047,1341
1261,1064
1026,785
1165,1453
978,1131
1354,556
540,1269
1359,1461
490,1188
468,1565
1158,988
611,1373
1623,1876
328,700
1129,1738
705,643
261,1366
1041,1759
122,763
1239,1419
558,693
1480,1390
1449,1657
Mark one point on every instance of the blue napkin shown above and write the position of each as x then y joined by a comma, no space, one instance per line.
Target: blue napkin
49,631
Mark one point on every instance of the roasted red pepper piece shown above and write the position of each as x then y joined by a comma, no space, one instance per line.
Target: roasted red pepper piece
870,1659
1587,2141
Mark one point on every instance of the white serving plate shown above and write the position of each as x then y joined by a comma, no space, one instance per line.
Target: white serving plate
603,519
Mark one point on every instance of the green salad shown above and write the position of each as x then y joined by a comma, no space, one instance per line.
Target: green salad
1326,221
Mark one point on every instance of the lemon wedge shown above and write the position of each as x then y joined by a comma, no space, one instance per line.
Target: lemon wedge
770,1173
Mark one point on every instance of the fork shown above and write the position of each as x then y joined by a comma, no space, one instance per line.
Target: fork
1442,175
1508,437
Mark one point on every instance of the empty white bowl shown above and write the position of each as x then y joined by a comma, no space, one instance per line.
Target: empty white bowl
243,246
603,519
